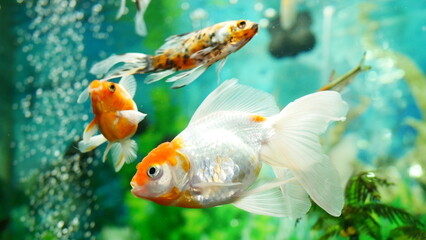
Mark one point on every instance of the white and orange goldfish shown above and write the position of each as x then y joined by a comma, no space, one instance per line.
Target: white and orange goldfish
116,117
192,53
217,158
141,6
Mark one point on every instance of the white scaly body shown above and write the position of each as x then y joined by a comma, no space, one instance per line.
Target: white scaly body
234,131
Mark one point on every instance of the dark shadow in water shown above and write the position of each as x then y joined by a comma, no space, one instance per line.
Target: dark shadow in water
8,46
289,43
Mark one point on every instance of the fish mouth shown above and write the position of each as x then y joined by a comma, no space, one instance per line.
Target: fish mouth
137,190
255,26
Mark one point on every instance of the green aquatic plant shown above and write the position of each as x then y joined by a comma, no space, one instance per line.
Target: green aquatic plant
166,122
164,19
364,214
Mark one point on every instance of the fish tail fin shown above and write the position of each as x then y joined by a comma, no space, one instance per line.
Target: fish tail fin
124,151
121,9
296,146
133,63
141,6
91,143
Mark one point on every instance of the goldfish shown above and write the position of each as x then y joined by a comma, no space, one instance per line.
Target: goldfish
116,116
217,158
192,53
141,6
337,84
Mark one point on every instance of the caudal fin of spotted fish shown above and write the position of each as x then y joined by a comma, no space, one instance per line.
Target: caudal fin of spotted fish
123,151
133,63
296,146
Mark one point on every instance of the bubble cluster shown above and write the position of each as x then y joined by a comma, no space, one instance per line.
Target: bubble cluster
50,74
60,199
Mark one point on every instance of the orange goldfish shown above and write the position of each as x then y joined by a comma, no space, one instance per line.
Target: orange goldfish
217,158
116,117
191,53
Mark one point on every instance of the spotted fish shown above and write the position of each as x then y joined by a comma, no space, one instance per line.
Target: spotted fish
192,53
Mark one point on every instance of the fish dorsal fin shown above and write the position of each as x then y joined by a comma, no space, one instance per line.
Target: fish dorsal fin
231,96
173,41
129,84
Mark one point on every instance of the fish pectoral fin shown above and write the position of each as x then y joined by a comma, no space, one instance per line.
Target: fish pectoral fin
90,130
83,96
214,187
154,77
201,55
132,116
91,143
129,84
187,77
219,67
267,199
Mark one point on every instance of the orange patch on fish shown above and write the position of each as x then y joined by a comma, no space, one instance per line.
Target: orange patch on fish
168,198
186,200
165,152
257,118
185,161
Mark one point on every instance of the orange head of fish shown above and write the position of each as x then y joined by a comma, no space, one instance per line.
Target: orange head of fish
241,31
162,174
109,96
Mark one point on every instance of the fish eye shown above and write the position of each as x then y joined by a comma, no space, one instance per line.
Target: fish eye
154,171
241,24
112,87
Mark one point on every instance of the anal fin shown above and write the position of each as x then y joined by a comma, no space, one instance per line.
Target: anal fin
91,143
187,77
154,77
90,130
266,199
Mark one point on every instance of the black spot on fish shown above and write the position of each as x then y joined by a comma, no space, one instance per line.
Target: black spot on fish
170,63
